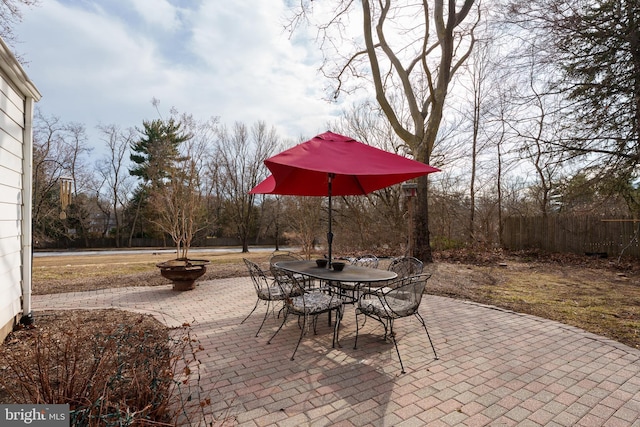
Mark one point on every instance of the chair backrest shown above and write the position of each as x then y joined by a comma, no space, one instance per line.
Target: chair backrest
284,256
288,282
405,294
406,266
258,277
370,261
281,256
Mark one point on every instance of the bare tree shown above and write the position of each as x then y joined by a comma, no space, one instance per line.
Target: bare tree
60,151
540,126
10,16
182,213
478,91
304,216
499,137
50,163
180,201
200,146
240,154
411,52
270,219
112,169
485,110
83,180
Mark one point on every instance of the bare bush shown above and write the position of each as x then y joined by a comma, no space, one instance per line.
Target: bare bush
132,373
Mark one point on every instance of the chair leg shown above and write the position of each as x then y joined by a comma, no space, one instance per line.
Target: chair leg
428,336
384,324
355,343
284,319
388,325
304,324
266,313
393,338
336,330
254,309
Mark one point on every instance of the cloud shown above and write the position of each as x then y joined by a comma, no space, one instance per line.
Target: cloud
102,62
158,13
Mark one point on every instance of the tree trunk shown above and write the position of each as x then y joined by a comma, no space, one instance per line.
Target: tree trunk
135,220
116,218
422,243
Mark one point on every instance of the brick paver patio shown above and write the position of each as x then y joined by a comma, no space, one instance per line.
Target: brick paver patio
496,367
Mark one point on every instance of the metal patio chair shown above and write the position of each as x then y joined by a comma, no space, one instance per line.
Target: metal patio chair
370,261
266,290
406,266
279,256
283,256
307,304
350,290
397,300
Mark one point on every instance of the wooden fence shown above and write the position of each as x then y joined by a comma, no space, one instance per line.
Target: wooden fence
575,234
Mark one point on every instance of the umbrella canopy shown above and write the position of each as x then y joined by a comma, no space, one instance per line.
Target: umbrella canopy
358,168
336,165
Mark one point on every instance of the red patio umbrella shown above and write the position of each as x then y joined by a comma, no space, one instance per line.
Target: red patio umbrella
330,164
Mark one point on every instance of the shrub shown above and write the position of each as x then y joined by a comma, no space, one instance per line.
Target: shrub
121,376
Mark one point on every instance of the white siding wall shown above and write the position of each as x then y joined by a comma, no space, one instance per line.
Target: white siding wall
11,199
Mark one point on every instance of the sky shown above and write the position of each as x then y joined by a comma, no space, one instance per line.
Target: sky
101,62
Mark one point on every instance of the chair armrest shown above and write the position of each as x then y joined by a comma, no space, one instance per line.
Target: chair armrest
379,291
371,294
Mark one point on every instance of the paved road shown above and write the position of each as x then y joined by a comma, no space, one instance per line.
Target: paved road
230,249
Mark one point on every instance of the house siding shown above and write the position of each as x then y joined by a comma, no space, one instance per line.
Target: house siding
17,94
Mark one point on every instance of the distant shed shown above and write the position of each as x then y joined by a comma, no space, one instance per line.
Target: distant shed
17,97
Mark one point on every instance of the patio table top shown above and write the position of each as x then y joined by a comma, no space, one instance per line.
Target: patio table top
350,273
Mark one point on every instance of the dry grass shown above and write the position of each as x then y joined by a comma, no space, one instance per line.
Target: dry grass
604,300
59,274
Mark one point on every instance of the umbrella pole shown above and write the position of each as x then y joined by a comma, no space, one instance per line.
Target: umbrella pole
330,233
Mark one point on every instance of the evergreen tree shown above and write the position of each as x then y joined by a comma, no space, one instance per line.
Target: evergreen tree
595,47
155,156
157,151
599,53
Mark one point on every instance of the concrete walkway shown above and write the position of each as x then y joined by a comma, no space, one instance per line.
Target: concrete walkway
496,367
